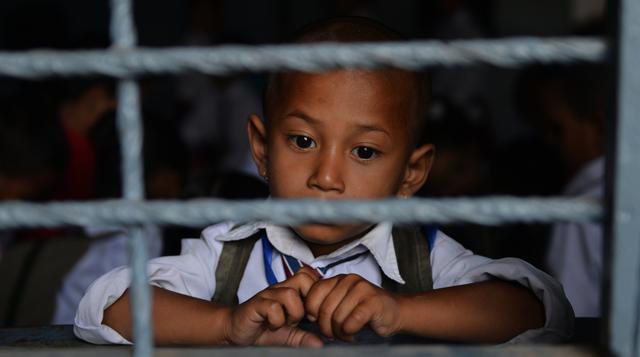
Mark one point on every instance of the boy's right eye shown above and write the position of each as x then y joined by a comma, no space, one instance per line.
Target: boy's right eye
302,141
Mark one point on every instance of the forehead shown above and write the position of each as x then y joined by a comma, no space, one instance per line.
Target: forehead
387,94
391,83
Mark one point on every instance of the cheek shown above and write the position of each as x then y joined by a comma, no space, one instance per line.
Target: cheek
286,172
374,181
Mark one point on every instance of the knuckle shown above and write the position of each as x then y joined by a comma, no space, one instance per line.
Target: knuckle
262,294
353,277
289,292
273,305
260,299
370,302
304,270
338,277
287,295
305,273
359,315
375,300
362,284
383,331
318,286
324,311
296,314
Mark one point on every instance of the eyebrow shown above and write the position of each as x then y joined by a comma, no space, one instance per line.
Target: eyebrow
311,120
301,115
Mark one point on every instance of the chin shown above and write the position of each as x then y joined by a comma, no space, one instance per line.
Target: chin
330,234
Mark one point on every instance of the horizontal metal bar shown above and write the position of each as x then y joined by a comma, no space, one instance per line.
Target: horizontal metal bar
198,213
413,55
338,351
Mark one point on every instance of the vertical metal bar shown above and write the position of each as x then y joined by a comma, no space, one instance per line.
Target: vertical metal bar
624,195
130,134
130,130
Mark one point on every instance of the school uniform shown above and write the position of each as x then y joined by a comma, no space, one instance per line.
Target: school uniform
193,273
575,254
108,249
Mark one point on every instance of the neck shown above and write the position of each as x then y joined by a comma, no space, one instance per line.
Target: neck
319,249
324,249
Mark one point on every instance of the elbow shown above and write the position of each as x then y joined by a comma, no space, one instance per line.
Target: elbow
118,316
533,310
527,312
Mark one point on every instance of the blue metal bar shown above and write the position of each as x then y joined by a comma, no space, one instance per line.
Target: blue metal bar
123,32
123,63
624,202
490,210
130,130
130,134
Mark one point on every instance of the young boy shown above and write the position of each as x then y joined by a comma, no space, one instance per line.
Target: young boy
344,134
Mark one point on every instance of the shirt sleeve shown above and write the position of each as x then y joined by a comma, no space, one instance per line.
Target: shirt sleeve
108,250
454,265
191,273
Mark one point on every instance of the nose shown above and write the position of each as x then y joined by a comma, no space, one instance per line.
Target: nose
328,172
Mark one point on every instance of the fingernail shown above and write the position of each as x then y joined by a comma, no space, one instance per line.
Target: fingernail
311,318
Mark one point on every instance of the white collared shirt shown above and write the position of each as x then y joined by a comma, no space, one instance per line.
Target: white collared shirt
193,273
575,253
108,250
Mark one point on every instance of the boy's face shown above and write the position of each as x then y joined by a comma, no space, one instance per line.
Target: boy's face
345,134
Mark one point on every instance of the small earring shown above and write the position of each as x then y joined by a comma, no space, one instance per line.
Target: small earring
265,176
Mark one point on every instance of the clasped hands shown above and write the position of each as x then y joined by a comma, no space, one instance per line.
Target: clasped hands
341,306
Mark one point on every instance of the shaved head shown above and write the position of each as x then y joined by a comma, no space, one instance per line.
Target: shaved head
356,29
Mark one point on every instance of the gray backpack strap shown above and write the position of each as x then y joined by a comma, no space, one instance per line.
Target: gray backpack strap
231,265
414,261
32,274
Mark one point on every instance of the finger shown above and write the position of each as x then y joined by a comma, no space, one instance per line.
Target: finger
301,338
291,301
354,297
273,314
316,296
311,271
302,281
332,301
288,336
357,319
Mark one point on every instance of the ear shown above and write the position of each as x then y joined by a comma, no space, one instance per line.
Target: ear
257,132
417,170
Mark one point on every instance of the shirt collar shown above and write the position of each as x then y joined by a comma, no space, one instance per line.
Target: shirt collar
378,241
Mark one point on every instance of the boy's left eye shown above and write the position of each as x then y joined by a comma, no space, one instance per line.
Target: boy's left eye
364,152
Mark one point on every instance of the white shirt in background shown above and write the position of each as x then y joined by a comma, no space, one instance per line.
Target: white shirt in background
108,250
575,254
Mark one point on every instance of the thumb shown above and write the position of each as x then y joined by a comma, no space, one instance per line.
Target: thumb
290,336
302,338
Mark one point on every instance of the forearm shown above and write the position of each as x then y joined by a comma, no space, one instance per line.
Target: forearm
490,312
177,319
